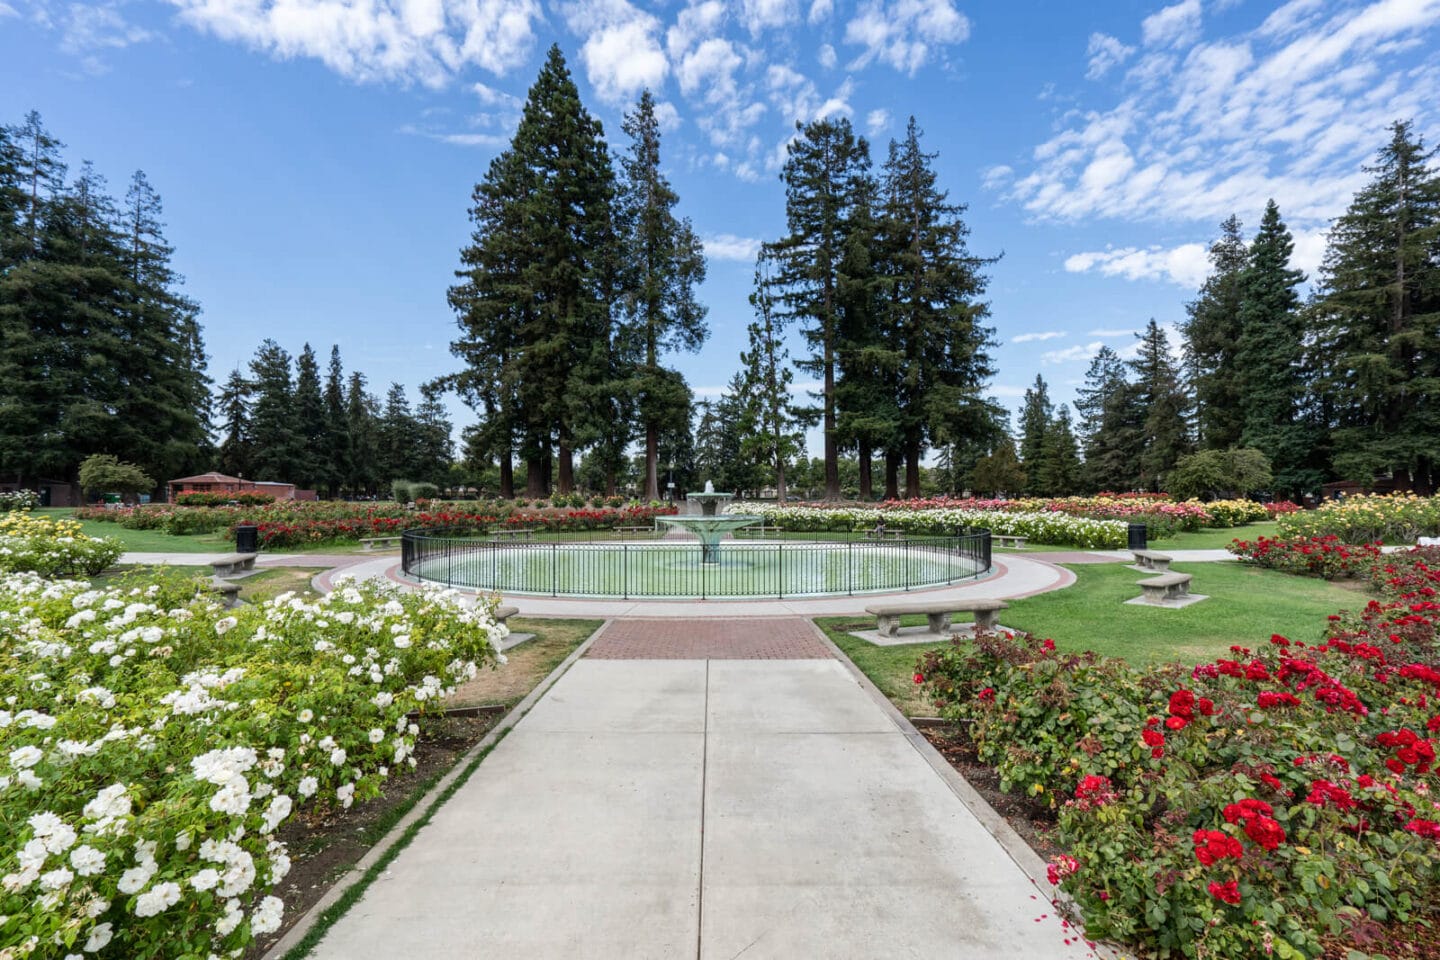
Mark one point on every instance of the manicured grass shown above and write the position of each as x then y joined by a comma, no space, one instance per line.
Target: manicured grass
273,581
1246,606
1216,538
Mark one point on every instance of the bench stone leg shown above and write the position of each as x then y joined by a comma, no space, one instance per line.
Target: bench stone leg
1160,566
985,621
1154,594
939,622
886,626
1177,591
248,564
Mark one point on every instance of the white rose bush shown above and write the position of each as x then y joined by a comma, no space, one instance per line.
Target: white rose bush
152,744
1041,527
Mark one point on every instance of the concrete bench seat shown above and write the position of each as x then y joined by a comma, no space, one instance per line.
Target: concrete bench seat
884,534
229,592
514,533
375,543
1008,541
759,530
504,612
233,564
1150,560
887,615
1171,586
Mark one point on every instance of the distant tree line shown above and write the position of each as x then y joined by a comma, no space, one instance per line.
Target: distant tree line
100,351
284,422
1341,385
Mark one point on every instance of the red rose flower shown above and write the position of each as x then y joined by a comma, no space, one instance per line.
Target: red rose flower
1227,892
919,678
1152,738
1176,723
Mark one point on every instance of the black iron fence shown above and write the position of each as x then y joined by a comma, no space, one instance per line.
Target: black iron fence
677,569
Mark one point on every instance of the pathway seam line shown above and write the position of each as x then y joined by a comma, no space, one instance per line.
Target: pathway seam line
704,786
357,871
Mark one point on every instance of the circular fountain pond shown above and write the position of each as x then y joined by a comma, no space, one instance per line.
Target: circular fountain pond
692,569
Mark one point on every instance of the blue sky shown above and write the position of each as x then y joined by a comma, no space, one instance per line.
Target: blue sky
316,156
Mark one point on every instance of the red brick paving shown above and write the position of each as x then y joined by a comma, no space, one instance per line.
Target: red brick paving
751,638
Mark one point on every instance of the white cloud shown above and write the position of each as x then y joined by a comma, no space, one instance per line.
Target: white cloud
668,116
1201,129
1106,332
420,40
491,97
727,246
1006,392
1071,354
993,178
761,15
877,122
1032,337
1172,26
8,11
621,52
903,33
1104,52
796,98
1186,265
826,56
709,71
820,11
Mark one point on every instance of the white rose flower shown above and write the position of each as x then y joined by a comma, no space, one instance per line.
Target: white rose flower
205,879
346,795
233,798
223,625
306,716
337,756
100,935
109,802
276,813
87,861
308,786
25,757
233,915
56,879
266,918
161,898
134,879
376,735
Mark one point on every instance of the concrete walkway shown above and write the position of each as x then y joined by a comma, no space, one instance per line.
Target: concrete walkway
711,809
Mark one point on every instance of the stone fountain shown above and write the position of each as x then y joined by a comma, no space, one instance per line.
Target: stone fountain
710,526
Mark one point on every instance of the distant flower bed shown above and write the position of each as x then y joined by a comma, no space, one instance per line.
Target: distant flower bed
151,744
937,520
1326,557
18,500
1269,803
222,499
289,523
52,547
1397,518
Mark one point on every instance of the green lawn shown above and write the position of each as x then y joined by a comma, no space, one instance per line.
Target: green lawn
1246,606
1216,539
155,541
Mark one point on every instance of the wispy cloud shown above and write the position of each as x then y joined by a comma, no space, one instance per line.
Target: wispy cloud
1033,337
1117,332
1071,354
1105,52
904,33
1186,265
727,246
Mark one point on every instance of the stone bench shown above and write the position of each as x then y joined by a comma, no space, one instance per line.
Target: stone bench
1150,560
375,543
1171,586
233,564
229,592
632,530
505,612
515,533
887,615
1008,541
884,534
759,530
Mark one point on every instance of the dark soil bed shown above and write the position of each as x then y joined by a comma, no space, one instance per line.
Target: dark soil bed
326,842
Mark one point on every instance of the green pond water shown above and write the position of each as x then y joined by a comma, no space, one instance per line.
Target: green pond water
677,571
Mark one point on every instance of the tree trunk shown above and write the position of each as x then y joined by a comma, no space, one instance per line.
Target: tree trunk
832,451
535,476
892,475
507,476
652,461
912,469
866,481
780,489
567,467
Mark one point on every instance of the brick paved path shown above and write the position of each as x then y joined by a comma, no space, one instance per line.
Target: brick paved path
781,638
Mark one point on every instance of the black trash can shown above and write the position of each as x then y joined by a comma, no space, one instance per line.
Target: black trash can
247,538
1136,537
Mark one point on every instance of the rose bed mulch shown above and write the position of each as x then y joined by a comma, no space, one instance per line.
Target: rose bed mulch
333,840
1035,823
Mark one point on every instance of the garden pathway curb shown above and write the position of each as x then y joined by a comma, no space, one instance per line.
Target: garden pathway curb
1013,844
426,803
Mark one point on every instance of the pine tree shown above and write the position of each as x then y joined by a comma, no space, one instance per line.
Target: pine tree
1036,413
235,448
1376,320
276,444
1160,396
662,263
824,171
362,413
1112,425
338,447
1271,354
433,449
309,422
935,309
999,472
396,438
769,428
1212,332
1059,463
